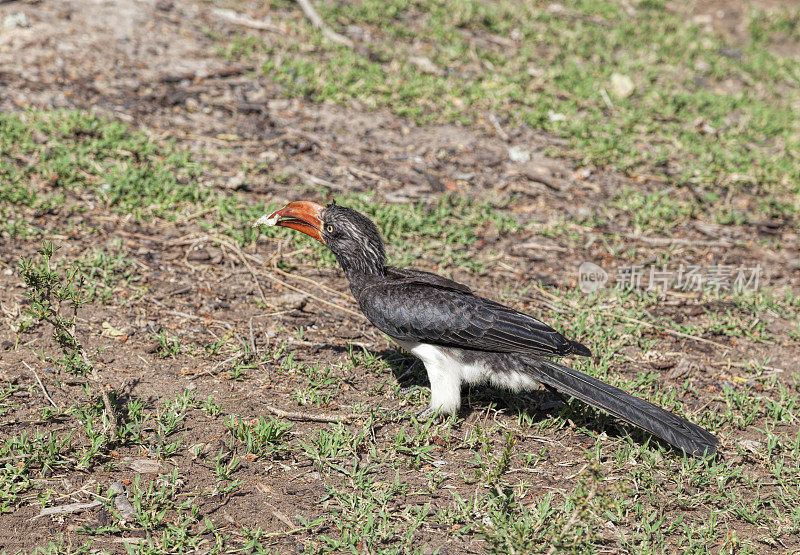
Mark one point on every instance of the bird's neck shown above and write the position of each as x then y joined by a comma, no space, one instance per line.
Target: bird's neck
358,278
358,267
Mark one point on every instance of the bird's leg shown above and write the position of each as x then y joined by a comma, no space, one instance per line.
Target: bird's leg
445,389
556,393
407,371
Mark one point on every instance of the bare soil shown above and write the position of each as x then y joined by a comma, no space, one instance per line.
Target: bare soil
150,64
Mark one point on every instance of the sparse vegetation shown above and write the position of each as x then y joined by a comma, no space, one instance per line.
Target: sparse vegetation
165,309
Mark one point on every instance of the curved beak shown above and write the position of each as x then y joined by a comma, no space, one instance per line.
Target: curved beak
303,215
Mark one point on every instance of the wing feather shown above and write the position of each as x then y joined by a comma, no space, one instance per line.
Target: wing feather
423,307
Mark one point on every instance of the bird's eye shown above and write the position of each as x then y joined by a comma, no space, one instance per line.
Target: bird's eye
329,229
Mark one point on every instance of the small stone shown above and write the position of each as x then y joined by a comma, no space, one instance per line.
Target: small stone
292,301
121,502
268,157
750,445
236,182
663,364
621,85
779,326
198,255
680,370
215,254
142,466
518,154
426,65
110,331
16,20
702,66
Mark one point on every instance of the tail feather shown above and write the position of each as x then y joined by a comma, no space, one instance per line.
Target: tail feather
579,349
671,428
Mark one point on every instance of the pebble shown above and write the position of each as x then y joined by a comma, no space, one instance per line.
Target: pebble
518,154
621,85
16,20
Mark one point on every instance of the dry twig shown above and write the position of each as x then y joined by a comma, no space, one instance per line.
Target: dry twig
41,385
497,127
314,179
94,376
67,509
306,417
247,265
244,256
317,22
673,241
245,21
667,330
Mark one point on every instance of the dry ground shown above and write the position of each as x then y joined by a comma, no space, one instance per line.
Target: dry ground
201,329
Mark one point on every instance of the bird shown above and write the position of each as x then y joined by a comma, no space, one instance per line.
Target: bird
463,338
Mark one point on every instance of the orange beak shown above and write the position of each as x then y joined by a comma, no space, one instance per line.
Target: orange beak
303,215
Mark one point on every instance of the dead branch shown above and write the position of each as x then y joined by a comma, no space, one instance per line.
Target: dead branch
41,385
306,417
236,250
309,280
314,179
319,299
670,241
97,381
667,330
245,21
317,22
67,509
244,256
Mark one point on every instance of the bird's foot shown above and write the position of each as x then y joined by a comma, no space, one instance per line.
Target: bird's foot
406,391
393,414
432,414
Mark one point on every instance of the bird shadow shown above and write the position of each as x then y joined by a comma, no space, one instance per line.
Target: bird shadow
529,407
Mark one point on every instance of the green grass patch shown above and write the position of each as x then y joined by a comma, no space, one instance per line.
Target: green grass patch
50,161
717,116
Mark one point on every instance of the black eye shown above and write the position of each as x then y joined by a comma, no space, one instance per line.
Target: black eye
329,229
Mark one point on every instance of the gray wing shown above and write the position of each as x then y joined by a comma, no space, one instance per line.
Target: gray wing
412,310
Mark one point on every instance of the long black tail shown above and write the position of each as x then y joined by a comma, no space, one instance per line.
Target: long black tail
671,428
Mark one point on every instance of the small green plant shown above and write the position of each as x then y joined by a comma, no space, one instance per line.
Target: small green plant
168,346
503,462
239,371
212,408
225,464
261,438
416,443
48,294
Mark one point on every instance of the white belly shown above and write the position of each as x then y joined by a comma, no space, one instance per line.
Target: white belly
447,371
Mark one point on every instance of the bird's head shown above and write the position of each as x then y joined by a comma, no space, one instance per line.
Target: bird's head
351,237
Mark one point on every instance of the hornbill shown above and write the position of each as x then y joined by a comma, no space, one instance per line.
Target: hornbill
463,338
